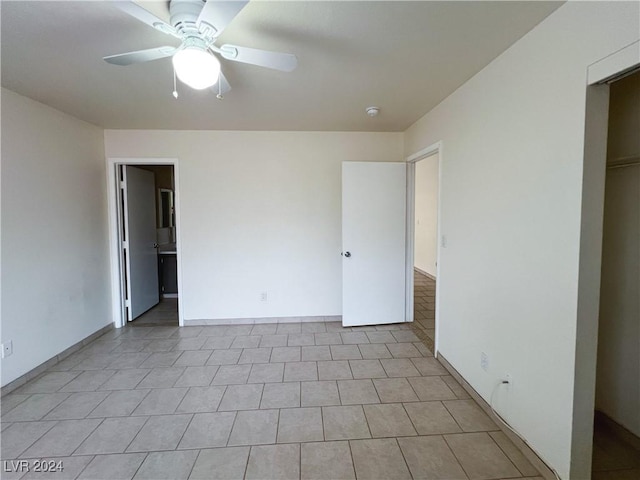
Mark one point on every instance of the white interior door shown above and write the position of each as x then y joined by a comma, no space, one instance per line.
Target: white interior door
140,241
373,242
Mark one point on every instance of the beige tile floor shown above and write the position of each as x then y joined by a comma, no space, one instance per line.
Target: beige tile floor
301,400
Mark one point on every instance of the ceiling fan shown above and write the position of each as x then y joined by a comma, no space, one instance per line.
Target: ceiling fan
198,24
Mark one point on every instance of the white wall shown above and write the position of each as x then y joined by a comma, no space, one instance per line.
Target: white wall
260,212
426,215
511,193
618,380
55,277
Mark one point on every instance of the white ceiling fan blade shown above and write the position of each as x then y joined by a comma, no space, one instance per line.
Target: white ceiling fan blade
136,11
140,56
217,14
285,62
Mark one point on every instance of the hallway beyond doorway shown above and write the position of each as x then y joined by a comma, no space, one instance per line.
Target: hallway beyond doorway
164,313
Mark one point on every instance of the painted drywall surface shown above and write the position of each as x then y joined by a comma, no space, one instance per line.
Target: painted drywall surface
259,212
426,215
55,273
618,380
511,190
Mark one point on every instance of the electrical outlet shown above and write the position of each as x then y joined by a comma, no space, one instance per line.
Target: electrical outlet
443,241
484,361
7,348
263,296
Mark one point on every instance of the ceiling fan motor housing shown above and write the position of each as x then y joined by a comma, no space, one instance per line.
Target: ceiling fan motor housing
184,14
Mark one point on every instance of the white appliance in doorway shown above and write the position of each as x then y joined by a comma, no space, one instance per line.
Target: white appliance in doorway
374,243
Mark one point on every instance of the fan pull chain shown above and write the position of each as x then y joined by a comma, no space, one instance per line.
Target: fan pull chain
219,96
175,84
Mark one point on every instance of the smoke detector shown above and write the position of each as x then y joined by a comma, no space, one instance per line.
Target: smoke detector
372,111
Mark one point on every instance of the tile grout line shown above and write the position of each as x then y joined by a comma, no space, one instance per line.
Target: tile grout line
134,437
462,430
403,457
246,464
32,443
193,465
366,420
85,467
353,462
146,454
455,456
503,451
411,420
233,424
85,438
47,412
193,416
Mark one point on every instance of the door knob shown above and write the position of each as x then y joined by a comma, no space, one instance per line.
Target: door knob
347,254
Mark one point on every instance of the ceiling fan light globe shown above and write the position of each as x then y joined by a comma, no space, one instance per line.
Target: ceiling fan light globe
196,68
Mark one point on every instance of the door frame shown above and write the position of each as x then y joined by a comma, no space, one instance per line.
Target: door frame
116,259
599,75
411,160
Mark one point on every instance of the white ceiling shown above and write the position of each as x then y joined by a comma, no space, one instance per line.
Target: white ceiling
404,57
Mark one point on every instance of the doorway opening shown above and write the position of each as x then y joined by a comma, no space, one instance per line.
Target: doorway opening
422,238
144,238
616,439
600,76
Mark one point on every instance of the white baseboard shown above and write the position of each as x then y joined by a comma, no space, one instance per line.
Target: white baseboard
527,451
257,321
33,373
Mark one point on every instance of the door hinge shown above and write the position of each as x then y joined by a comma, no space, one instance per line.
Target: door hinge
125,245
122,185
127,303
